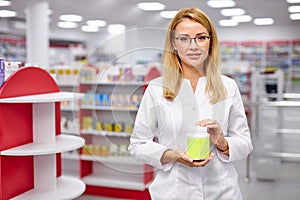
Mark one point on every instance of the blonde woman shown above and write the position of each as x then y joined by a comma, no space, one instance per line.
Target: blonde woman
191,92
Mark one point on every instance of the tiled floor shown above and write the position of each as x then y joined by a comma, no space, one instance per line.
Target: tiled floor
284,189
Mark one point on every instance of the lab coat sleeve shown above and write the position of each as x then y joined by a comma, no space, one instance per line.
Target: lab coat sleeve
142,147
238,133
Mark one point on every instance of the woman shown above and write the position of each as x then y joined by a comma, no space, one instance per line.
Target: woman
191,92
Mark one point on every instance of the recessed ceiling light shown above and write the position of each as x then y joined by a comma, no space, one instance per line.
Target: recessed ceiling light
228,22
150,6
71,18
220,3
168,14
294,9
7,13
242,18
293,1
67,24
263,21
295,16
116,28
232,11
96,22
90,29
5,3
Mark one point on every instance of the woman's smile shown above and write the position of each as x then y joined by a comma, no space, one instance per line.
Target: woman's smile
193,56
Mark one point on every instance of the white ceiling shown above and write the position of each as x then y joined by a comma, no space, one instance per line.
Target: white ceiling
126,11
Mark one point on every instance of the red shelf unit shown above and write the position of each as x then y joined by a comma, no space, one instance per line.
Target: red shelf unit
88,168
18,170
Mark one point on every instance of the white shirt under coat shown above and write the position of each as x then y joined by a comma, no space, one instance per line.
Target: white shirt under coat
169,121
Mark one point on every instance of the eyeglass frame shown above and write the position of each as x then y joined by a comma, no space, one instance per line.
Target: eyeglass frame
205,36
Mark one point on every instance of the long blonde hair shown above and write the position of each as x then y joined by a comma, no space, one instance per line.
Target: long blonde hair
172,69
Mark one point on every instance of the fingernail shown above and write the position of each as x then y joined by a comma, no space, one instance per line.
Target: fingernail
190,160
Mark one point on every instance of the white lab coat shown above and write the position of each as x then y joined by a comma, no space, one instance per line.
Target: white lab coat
169,121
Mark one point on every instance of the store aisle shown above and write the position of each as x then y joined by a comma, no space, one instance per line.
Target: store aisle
253,190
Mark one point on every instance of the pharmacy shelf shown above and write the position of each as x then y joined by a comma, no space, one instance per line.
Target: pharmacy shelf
70,156
289,131
279,104
108,108
105,133
31,140
65,84
111,159
63,143
69,108
113,176
119,182
70,132
67,188
119,83
44,98
281,155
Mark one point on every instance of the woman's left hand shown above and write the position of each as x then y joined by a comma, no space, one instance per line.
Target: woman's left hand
216,133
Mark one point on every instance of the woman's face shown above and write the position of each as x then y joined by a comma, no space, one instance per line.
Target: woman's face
192,43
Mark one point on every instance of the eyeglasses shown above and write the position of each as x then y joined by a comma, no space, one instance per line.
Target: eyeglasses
185,40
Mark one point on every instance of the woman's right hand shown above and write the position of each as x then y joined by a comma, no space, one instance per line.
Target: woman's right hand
182,157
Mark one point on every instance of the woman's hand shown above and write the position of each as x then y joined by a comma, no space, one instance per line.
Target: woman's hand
181,157
216,133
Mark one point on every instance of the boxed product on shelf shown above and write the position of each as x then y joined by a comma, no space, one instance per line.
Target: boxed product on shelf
87,73
105,150
65,74
88,99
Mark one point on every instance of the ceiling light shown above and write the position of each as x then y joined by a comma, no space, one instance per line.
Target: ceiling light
96,22
293,1
5,3
220,3
228,22
295,16
242,18
263,21
168,14
294,9
67,24
116,28
232,11
150,6
89,29
71,18
7,13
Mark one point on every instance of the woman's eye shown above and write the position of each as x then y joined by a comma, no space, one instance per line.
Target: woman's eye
184,39
201,38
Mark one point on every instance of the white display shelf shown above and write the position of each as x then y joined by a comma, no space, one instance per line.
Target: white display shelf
44,98
67,188
70,132
282,155
70,156
67,84
280,103
69,108
118,182
124,83
288,131
111,159
109,108
63,143
105,133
